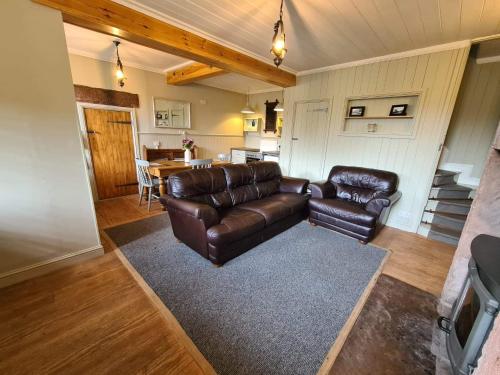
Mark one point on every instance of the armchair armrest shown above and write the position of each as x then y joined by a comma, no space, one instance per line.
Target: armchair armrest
377,204
322,189
293,185
201,211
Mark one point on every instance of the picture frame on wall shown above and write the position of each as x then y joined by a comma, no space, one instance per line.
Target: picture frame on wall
398,110
357,111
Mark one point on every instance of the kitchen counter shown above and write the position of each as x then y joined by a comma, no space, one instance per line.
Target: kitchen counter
245,149
271,153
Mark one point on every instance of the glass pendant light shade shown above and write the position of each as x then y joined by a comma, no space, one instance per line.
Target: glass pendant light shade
278,45
120,75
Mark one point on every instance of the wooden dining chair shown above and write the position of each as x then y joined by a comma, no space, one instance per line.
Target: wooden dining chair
145,181
201,163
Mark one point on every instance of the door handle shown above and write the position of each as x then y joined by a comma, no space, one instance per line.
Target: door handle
294,139
91,132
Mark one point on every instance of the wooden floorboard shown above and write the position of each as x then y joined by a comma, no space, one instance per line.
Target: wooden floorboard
100,317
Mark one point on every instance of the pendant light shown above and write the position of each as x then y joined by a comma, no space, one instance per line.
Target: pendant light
247,109
280,107
278,47
120,75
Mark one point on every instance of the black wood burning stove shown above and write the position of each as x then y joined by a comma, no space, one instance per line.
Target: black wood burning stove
475,309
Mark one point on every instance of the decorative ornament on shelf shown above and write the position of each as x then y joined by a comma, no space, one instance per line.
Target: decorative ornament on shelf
278,47
187,145
120,75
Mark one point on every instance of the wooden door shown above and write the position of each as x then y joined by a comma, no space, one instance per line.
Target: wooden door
309,135
112,149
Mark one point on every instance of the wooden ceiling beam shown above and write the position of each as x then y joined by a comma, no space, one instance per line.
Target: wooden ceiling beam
193,72
111,18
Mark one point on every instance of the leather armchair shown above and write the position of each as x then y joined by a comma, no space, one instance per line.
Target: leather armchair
322,190
354,201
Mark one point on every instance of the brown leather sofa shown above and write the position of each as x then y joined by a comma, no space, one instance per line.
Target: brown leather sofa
223,212
354,201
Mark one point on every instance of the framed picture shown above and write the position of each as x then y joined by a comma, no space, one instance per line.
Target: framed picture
398,110
357,111
251,124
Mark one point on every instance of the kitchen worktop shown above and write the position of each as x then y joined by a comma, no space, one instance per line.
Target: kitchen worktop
273,153
245,149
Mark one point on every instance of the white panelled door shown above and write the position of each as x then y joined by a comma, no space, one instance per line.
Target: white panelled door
309,136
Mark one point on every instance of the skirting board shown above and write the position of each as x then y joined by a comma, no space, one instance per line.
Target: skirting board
40,268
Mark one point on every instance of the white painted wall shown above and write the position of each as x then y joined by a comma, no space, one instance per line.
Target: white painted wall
215,114
46,211
474,121
435,75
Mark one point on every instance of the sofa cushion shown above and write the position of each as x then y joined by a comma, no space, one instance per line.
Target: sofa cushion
273,209
296,202
240,183
266,177
235,224
365,178
344,210
200,185
356,194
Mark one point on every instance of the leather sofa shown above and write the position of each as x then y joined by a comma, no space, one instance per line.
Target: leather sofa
354,201
223,212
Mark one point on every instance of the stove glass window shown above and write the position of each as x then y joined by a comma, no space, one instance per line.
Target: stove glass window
467,317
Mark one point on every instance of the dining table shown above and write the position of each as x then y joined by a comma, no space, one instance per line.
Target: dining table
164,168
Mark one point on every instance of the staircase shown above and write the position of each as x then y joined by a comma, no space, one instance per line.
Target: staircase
447,208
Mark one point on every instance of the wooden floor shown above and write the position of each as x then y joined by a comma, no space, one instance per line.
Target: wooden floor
99,316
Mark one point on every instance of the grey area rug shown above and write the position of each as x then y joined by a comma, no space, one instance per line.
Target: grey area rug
277,309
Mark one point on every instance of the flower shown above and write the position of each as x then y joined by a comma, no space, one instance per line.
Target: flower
187,143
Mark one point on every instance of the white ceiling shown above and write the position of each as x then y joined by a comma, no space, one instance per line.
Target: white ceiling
319,33
327,32
99,46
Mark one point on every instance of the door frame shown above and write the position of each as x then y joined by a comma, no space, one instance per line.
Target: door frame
328,124
80,107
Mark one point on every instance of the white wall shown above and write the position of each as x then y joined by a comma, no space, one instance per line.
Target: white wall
257,101
436,75
216,125
46,210
474,121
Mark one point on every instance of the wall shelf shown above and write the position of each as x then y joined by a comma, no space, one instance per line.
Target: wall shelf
376,121
375,117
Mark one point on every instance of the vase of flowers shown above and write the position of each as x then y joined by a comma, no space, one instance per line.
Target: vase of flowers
187,145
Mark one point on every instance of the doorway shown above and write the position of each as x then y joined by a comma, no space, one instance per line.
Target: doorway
109,139
309,136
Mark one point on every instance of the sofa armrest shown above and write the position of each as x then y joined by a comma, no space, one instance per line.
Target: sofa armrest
377,204
201,211
322,190
293,185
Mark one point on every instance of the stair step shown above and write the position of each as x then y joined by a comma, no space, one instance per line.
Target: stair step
445,235
451,206
443,177
445,220
450,192
457,202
